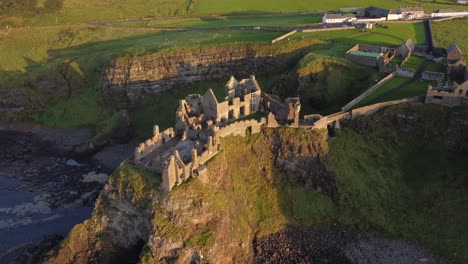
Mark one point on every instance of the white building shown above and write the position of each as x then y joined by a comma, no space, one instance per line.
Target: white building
393,15
411,12
448,13
335,18
462,2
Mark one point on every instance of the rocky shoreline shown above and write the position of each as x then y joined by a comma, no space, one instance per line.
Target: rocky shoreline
45,191
338,246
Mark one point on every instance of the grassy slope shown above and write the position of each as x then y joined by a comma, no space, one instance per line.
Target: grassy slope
414,188
415,88
453,31
413,62
331,91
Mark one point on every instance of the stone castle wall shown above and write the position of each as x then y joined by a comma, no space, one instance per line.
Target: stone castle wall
404,72
176,171
459,97
370,109
433,76
153,143
239,128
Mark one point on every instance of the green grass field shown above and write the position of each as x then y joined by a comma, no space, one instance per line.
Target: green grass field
76,11
436,67
396,34
413,62
413,89
228,21
452,31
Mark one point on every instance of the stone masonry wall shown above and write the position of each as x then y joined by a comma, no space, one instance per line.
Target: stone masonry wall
433,76
153,143
404,72
239,128
367,110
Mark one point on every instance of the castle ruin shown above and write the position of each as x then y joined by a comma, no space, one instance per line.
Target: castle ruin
181,152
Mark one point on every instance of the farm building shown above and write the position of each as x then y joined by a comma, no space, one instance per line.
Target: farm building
411,12
335,18
456,65
376,12
393,15
448,13
462,2
406,49
365,25
370,55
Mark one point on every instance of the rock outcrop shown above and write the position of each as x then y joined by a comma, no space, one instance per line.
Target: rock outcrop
156,73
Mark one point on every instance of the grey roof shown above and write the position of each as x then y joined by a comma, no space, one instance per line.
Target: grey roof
411,9
453,47
332,16
445,11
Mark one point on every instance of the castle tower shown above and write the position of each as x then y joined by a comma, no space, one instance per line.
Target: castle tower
155,130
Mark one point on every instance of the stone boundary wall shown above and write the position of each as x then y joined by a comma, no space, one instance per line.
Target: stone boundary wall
370,109
283,36
405,72
325,29
445,19
323,122
368,91
153,143
238,128
433,76
412,21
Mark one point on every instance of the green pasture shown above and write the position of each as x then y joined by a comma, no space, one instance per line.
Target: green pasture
453,31
33,12
385,93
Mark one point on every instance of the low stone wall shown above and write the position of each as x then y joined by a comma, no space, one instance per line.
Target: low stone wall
368,91
283,36
239,128
433,76
325,29
370,109
404,72
323,122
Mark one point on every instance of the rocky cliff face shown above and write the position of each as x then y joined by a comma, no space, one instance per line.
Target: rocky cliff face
156,73
212,219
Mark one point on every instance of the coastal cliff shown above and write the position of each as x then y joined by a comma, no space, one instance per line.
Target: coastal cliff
162,71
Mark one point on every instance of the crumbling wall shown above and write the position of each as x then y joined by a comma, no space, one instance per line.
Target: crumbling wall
175,171
433,76
404,72
370,109
459,97
153,143
239,128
